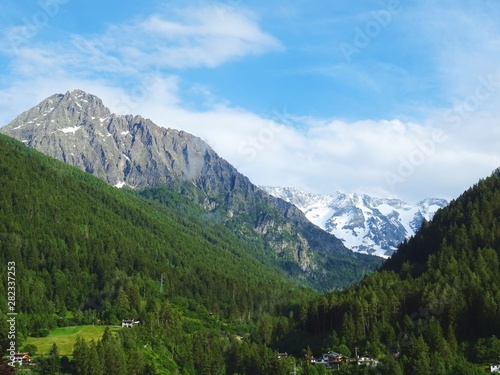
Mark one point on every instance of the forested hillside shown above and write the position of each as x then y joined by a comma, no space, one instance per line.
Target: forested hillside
433,308
88,253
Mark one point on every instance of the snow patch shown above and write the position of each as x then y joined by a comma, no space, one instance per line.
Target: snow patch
70,129
120,184
125,133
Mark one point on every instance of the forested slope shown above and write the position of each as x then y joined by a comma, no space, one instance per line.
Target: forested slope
83,246
434,307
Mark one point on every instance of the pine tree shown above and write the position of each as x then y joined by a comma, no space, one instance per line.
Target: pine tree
348,331
94,362
113,358
418,358
5,368
53,364
80,356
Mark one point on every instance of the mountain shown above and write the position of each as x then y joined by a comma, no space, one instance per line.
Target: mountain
130,151
365,224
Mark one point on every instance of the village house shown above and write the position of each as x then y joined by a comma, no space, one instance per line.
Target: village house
129,323
495,368
330,360
21,359
282,355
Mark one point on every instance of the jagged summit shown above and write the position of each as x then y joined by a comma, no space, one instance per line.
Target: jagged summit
122,149
365,224
73,106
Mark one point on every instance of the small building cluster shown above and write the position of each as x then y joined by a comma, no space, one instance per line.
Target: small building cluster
333,360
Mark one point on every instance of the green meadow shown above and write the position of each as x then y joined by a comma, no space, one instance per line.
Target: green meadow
65,338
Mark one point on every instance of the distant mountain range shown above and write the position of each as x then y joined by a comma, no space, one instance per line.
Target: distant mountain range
365,224
130,151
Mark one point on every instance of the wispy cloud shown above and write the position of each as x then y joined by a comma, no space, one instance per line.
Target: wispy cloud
460,38
186,39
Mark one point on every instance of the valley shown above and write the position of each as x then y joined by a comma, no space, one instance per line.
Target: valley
110,218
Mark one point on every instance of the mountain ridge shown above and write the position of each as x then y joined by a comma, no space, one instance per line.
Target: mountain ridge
365,224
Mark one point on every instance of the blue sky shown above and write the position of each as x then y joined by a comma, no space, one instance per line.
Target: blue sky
391,98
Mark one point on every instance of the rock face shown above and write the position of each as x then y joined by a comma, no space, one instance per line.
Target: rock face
123,150
132,151
365,224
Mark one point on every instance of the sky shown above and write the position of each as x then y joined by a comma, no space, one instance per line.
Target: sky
390,98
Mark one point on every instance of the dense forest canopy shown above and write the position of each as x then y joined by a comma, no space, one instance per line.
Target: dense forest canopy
88,253
212,303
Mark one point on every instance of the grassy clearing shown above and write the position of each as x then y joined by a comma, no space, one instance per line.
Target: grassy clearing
65,338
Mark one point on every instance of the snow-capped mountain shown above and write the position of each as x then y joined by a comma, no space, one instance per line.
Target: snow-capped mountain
365,224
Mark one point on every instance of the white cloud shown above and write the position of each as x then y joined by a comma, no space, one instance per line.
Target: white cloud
140,55
196,38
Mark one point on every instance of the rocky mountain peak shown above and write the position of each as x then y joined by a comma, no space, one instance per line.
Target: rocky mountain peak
59,113
124,150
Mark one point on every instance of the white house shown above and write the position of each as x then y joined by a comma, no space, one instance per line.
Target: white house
495,368
129,323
